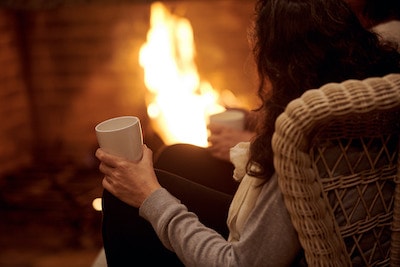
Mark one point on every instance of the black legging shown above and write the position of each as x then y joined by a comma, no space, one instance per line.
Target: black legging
197,164
129,240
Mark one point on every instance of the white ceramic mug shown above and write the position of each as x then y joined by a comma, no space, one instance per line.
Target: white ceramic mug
121,136
230,118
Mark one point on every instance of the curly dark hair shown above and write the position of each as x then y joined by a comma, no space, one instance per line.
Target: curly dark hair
304,44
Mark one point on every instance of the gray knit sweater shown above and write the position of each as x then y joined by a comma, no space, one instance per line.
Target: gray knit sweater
269,238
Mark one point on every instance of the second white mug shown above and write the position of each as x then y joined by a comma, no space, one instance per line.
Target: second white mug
230,118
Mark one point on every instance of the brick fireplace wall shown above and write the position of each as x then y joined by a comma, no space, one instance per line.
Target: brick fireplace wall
15,127
64,69
82,71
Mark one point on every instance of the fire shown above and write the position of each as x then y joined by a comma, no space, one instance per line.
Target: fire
180,102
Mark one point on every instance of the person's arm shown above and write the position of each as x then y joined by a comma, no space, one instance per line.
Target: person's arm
269,238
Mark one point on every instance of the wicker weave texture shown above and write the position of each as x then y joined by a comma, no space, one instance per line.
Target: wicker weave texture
336,154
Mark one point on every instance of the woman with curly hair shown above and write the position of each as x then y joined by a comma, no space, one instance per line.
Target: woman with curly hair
152,216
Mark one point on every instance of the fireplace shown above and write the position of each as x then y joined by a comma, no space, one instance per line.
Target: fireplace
66,67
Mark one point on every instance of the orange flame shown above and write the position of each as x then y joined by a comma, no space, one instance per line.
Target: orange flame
180,101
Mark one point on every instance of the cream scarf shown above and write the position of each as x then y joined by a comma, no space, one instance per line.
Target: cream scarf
247,193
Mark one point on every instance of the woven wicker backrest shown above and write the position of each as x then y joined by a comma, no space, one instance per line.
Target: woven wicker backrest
336,153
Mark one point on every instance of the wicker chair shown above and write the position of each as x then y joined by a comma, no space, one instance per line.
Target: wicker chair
336,154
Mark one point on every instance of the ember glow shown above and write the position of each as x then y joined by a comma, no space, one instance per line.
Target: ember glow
179,101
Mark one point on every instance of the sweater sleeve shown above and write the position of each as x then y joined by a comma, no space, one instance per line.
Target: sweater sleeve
269,238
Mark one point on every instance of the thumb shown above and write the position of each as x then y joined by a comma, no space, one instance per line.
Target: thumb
147,154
